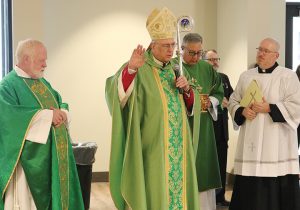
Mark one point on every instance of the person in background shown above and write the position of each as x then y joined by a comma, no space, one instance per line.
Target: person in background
221,126
266,163
38,169
152,165
298,72
298,130
207,165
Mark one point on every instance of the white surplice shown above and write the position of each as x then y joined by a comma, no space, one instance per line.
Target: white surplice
207,200
266,148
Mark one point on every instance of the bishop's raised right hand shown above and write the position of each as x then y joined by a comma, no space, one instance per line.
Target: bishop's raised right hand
137,58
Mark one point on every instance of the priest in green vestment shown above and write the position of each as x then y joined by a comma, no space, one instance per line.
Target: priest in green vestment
152,164
38,170
207,166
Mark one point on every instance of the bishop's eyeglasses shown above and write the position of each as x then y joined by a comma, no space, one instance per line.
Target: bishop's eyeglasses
168,46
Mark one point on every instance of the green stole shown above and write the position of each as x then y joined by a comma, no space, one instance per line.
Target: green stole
175,141
59,141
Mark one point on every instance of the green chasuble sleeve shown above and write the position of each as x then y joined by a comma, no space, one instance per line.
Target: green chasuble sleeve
14,124
152,163
118,144
207,166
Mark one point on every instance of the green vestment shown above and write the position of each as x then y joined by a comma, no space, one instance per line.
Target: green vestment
207,166
49,168
152,165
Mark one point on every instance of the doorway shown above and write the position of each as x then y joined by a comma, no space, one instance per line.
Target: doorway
292,38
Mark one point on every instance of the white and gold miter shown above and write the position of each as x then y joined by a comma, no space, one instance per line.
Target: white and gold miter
161,24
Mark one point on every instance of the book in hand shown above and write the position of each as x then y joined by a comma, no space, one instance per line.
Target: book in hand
252,94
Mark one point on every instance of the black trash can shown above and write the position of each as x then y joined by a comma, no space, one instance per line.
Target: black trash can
84,154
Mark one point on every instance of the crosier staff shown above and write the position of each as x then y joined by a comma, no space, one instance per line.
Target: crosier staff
184,24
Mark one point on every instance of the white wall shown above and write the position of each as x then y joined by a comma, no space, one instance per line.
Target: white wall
232,48
27,20
87,42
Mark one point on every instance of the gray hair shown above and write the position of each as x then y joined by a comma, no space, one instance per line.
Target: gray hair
191,38
207,51
26,48
274,42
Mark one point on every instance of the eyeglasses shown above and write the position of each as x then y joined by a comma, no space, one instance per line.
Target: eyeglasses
213,59
193,53
264,50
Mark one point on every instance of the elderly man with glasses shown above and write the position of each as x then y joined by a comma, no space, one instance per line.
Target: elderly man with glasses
152,163
212,94
266,163
221,125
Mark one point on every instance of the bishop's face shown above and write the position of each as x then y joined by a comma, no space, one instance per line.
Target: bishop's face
163,49
267,54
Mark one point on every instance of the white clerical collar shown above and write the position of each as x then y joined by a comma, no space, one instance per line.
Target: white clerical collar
21,73
162,64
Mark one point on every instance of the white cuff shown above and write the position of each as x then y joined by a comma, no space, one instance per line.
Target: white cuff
213,110
131,71
40,127
123,96
287,116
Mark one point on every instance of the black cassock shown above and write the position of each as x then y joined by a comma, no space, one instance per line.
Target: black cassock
222,136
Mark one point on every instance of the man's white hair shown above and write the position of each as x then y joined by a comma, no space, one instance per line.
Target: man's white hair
26,47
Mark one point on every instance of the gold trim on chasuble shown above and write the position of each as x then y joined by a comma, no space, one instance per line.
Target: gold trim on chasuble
20,152
46,101
184,135
175,158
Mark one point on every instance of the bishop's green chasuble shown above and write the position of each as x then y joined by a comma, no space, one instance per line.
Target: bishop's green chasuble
49,168
152,165
207,166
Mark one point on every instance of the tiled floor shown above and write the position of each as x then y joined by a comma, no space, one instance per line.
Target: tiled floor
101,200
